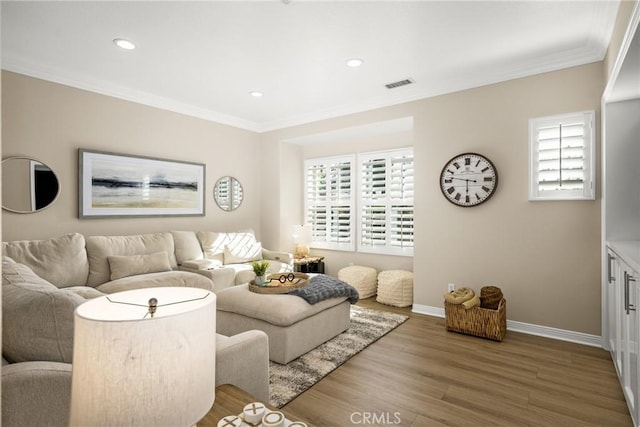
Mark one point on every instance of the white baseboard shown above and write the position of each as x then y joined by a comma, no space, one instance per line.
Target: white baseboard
526,328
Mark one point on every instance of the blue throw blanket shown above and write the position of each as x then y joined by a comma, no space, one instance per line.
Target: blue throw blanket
322,287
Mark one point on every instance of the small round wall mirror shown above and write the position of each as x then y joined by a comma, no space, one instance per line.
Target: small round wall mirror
228,193
28,185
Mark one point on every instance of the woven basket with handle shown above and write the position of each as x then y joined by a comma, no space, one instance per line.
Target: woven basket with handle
477,321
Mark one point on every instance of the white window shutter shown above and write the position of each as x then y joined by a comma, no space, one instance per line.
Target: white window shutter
562,157
401,189
329,202
386,202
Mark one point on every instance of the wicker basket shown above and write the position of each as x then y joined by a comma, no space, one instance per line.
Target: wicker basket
477,321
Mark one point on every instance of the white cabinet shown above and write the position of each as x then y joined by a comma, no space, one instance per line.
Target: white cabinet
614,301
621,213
623,297
630,348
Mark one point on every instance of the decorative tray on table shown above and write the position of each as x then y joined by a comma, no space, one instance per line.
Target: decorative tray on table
257,415
280,283
285,423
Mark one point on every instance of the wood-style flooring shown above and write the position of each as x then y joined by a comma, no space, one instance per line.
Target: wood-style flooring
421,375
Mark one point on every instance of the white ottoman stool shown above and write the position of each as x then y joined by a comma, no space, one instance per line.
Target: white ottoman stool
362,278
395,287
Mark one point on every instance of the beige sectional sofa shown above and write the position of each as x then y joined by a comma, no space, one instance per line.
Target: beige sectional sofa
44,280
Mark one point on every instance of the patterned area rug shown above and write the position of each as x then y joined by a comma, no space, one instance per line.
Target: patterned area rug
367,326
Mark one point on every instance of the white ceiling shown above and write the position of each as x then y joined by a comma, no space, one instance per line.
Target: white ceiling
203,58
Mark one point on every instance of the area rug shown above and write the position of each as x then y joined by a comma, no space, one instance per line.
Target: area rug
367,326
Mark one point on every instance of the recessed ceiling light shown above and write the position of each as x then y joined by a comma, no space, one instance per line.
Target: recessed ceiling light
354,62
255,94
124,44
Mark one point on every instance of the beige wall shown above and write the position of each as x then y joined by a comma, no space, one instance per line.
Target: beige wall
50,122
16,173
544,255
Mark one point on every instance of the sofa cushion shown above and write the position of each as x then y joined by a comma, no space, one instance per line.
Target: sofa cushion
61,261
99,248
37,317
187,246
154,280
131,265
242,253
213,244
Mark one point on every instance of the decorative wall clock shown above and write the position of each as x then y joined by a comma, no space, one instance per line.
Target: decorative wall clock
468,179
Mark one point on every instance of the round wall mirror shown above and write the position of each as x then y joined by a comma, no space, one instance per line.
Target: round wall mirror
228,193
28,185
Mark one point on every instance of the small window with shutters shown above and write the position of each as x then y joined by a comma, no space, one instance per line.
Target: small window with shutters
329,202
562,157
385,188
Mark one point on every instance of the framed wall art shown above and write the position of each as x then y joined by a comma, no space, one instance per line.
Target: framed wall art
120,185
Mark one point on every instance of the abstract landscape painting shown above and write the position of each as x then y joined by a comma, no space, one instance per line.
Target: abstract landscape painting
113,185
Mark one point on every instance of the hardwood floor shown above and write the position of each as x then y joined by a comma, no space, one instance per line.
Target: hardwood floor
422,375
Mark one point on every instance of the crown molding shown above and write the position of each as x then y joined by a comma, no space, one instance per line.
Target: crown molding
559,61
555,62
109,89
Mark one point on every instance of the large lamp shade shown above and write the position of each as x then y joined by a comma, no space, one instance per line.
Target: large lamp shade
132,369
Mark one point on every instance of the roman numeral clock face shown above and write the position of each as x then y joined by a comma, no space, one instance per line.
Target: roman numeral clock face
468,179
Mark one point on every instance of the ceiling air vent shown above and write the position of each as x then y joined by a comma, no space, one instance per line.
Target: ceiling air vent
399,83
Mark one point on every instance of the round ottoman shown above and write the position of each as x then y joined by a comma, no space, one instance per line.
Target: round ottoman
395,287
362,278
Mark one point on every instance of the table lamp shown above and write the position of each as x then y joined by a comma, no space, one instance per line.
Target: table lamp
302,236
144,357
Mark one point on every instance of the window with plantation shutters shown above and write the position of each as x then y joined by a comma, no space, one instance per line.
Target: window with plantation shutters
329,202
386,202
362,203
562,157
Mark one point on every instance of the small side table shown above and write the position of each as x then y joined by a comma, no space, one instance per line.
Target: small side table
310,264
230,400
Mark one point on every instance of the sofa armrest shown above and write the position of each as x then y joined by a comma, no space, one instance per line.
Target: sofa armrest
284,257
243,360
36,394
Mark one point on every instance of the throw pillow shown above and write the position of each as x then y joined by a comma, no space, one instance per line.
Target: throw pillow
132,265
240,254
61,260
